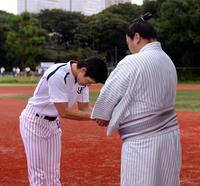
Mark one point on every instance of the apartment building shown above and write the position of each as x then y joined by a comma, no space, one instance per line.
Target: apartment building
87,7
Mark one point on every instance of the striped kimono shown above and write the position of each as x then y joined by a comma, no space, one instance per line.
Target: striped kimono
138,101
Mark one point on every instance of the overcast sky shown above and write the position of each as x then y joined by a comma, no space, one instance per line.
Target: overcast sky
11,5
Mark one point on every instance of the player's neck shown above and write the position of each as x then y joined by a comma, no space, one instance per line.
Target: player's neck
74,69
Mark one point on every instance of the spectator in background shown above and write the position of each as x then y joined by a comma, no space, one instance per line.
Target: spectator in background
14,71
28,71
17,71
2,71
40,71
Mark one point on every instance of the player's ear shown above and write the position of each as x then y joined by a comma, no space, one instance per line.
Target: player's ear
83,70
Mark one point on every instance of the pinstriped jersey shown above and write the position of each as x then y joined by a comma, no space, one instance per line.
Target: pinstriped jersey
57,85
141,84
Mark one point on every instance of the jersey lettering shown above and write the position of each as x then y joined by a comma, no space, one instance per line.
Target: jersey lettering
80,89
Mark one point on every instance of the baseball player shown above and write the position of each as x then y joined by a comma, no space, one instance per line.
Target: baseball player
138,100
61,86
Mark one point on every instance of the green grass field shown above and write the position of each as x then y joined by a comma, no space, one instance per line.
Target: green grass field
186,100
15,80
24,80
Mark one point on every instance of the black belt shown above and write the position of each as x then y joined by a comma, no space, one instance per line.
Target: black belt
49,118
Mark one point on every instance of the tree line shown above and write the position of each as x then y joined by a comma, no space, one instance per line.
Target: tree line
58,36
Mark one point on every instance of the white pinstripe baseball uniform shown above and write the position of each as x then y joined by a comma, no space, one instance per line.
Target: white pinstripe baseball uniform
138,99
40,126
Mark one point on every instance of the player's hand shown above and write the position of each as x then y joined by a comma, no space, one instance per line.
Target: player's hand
102,123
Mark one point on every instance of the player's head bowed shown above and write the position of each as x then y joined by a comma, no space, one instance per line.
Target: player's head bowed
95,68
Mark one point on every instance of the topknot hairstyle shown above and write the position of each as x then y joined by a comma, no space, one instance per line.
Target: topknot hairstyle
144,17
141,26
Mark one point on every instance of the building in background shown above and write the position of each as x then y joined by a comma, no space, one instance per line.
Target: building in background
34,6
109,3
75,5
93,6
86,7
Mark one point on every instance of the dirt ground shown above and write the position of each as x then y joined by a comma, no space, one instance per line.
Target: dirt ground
89,158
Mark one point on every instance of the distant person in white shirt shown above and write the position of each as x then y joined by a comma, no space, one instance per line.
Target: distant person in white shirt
2,71
138,100
14,71
61,86
17,71
28,71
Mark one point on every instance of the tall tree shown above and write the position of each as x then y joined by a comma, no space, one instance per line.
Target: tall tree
178,30
4,28
126,11
25,43
151,6
61,22
105,32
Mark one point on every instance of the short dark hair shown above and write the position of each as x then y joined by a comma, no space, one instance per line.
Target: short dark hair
96,68
141,26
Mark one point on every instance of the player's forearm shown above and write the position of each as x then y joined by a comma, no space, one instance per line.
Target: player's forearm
72,113
86,107
75,115
89,109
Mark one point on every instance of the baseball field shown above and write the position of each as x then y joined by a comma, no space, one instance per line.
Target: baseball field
89,158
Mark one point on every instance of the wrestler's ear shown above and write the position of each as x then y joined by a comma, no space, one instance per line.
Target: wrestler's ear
137,37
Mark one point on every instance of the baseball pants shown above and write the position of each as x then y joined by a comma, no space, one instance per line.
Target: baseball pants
42,142
153,161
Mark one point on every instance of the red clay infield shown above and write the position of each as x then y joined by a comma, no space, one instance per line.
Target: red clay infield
89,158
